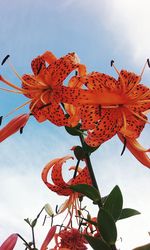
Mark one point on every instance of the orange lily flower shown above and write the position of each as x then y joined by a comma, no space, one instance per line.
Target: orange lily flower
70,239
9,243
63,188
44,87
121,109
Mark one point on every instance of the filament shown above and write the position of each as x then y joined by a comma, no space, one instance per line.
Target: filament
122,80
11,112
139,116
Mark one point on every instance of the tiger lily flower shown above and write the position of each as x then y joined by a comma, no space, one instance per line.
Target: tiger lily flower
63,188
70,239
9,243
45,90
121,110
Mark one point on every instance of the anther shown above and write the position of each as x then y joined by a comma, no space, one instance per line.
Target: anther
21,130
1,118
76,73
112,62
124,146
39,69
56,209
5,59
148,62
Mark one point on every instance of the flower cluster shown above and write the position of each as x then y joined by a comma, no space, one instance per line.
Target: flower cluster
101,104
96,107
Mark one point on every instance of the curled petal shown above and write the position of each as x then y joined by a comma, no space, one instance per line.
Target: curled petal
9,243
137,150
48,238
54,187
13,126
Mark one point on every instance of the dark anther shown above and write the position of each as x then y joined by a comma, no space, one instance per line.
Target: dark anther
1,118
99,109
124,146
39,69
148,62
76,73
111,63
21,130
56,209
5,59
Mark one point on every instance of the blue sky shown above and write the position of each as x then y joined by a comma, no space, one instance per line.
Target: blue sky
97,31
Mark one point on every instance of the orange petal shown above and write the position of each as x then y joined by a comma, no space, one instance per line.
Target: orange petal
10,242
127,80
13,126
55,188
63,67
91,97
48,238
137,150
82,178
108,125
101,82
49,57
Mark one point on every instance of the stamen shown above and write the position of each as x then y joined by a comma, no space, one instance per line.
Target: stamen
139,116
10,84
76,73
21,130
139,78
99,109
11,90
5,59
39,69
11,112
33,105
1,118
43,94
122,80
124,121
148,62
112,62
124,146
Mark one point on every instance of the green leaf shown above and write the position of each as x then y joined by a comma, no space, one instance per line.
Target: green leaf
33,223
107,227
128,212
114,203
97,244
89,191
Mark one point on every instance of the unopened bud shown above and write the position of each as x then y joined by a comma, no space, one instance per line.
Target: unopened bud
48,209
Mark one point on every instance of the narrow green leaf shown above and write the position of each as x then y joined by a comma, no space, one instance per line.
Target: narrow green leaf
114,203
97,244
107,227
128,212
89,191
33,223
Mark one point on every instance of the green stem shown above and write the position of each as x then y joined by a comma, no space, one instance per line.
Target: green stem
76,169
33,237
26,243
90,168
